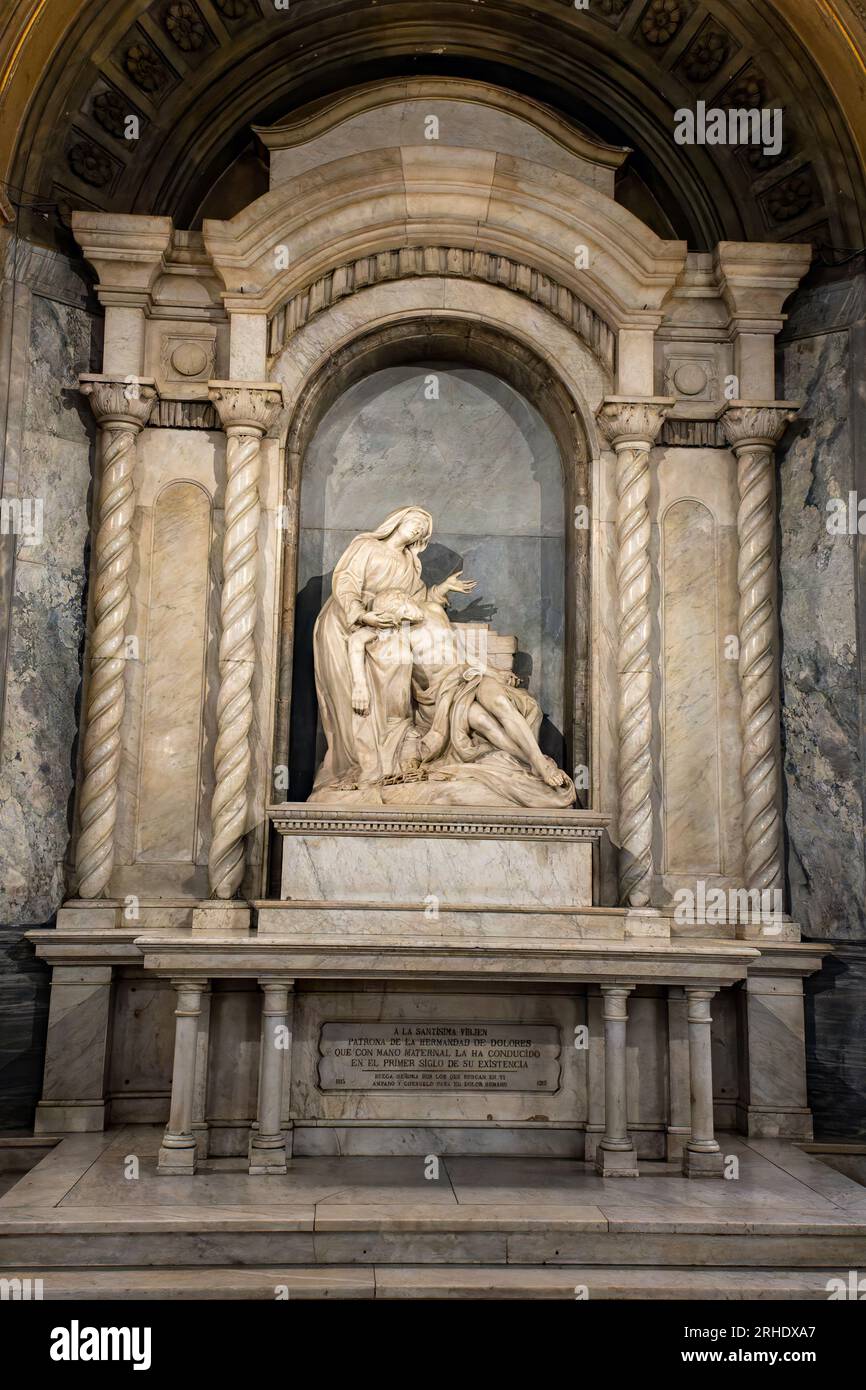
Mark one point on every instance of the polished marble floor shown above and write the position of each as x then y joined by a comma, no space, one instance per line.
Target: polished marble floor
113,1176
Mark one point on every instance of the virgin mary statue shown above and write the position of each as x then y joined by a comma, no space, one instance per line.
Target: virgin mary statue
467,734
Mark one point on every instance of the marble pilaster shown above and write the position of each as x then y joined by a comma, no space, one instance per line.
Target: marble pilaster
679,1104
73,1095
202,1051
777,1104
594,1072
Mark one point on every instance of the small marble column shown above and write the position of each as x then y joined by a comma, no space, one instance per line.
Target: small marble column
753,428
616,1156
702,1157
247,410
630,426
679,1101
177,1154
122,408
268,1145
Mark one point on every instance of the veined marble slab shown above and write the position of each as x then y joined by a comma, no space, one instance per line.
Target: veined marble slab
436,872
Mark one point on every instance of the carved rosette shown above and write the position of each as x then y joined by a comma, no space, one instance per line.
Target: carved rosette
752,431
630,426
246,413
122,408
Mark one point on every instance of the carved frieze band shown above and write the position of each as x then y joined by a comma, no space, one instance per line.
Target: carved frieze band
753,431
184,415
693,434
630,426
121,408
246,413
449,261
490,828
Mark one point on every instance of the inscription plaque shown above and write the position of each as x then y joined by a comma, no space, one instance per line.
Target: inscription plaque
438,1056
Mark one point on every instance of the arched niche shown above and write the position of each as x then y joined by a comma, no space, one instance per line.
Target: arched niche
481,362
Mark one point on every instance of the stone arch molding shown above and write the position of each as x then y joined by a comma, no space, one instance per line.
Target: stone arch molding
435,301
455,198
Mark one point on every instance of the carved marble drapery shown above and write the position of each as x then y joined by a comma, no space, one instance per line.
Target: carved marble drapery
753,428
630,427
247,411
121,408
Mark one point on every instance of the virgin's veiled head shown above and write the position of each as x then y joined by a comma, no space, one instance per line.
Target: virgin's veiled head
411,527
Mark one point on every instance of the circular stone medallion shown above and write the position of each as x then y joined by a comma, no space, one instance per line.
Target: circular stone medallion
190,359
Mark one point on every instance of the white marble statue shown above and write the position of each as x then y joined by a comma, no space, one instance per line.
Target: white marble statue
409,717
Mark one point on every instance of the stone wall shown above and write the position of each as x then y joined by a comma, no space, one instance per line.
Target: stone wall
50,333
822,362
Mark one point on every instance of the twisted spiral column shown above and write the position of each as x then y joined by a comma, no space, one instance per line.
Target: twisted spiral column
247,412
121,408
630,426
752,430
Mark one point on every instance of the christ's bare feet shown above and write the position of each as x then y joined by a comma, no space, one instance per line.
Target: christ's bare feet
553,775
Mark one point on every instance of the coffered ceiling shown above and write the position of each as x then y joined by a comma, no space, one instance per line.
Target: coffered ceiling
198,74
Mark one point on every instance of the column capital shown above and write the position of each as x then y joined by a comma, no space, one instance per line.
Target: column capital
199,982
751,424
248,406
698,999
616,1000
632,421
119,400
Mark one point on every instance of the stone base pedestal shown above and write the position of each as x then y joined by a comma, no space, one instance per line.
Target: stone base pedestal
703,1165
616,1163
69,1117
766,1122
216,918
675,1142
177,1162
593,1139
438,858
267,1157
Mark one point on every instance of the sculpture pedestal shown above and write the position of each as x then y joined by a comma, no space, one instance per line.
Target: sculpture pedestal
438,860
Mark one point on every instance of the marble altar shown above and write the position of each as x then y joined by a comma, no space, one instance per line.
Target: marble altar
446,872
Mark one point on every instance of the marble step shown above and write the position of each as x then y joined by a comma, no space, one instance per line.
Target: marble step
339,1234
433,1282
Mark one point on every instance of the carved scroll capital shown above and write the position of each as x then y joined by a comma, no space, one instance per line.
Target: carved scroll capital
248,406
633,422
119,401
757,424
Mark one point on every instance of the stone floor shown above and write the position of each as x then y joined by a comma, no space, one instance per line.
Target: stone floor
485,1227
